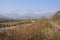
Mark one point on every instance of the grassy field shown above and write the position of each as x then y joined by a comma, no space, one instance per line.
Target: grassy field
39,30
14,23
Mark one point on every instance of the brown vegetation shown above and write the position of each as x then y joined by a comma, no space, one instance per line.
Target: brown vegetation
41,29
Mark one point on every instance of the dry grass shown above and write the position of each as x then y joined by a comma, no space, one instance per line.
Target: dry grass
10,24
41,30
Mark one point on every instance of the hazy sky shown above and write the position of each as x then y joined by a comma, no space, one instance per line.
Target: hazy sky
29,6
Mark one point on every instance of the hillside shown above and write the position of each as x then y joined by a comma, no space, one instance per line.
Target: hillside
56,17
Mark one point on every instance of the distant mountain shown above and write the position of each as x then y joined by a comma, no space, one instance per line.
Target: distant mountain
48,15
4,18
13,15
32,15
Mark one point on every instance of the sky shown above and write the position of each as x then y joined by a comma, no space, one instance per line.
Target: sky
28,7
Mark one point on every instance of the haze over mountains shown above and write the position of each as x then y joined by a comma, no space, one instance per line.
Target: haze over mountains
27,15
